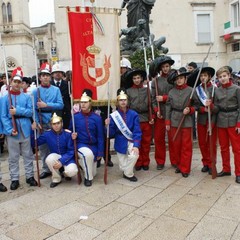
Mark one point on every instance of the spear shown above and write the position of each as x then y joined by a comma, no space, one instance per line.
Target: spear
107,141
8,84
191,96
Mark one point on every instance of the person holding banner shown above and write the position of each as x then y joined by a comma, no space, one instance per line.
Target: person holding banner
124,125
204,92
90,137
61,147
227,103
176,107
138,101
18,141
160,90
48,99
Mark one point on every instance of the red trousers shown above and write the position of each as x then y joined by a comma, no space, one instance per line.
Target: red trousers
182,147
144,149
227,136
160,144
204,144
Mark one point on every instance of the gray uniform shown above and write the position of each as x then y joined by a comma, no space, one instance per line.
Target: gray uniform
203,116
163,89
138,101
178,100
227,103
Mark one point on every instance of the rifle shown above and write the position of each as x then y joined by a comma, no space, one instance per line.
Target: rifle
8,85
212,157
107,140
74,141
148,87
35,142
191,96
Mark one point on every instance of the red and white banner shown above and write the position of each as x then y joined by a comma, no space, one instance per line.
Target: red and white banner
95,52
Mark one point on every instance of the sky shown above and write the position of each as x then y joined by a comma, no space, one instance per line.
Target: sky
41,12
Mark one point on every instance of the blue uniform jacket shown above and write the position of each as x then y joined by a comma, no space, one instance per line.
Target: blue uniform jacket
22,103
131,119
1,126
60,143
90,132
52,97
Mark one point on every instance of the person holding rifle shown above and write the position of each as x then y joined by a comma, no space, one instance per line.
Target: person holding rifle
138,101
227,104
48,99
176,106
61,147
124,125
18,107
160,90
204,92
90,137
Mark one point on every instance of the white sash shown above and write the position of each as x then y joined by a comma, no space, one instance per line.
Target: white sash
201,94
117,118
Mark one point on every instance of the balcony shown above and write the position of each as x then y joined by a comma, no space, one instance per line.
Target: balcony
231,33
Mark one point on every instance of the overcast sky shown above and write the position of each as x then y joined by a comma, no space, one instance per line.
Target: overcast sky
41,12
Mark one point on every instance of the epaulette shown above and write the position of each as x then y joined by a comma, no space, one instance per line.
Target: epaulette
67,130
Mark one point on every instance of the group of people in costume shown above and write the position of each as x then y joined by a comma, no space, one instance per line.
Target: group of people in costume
169,100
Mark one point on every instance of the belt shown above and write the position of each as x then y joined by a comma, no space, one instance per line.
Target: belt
177,110
18,117
233,109
44,111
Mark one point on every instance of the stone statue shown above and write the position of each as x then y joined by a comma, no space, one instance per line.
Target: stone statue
138,9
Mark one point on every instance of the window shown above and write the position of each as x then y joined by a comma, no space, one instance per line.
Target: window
235,14
7,13
235,47
41,45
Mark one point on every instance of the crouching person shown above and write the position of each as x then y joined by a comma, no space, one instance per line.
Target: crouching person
61,160
89,136
124,125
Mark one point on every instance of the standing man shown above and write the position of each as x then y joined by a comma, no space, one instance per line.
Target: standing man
18,139
125,68
125,127
48,99
138,101
61,146
89,136
159,99
57,80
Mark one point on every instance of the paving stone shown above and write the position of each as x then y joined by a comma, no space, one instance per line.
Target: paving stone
32,230
119,189
67,215
128,228
3,237
137,198
190,208
163,201
161,181
108,215
236,234
76,232
213,228
166,228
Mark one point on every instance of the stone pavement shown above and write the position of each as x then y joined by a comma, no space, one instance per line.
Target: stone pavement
161,205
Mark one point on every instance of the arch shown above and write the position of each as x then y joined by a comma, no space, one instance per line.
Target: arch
9,12
4,13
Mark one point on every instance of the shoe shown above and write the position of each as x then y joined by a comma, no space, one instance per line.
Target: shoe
68,178
177,170
32,182
160,166
2,188
98,163
131,179
185,175
14,185
174,165
110,163
222,174
237,179
205,168
210,171
45,175
138,168
87,183
145,168
54,184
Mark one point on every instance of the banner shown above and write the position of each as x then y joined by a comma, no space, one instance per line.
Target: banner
95,52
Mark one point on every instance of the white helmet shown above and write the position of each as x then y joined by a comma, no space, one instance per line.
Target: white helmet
57,68
125,63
